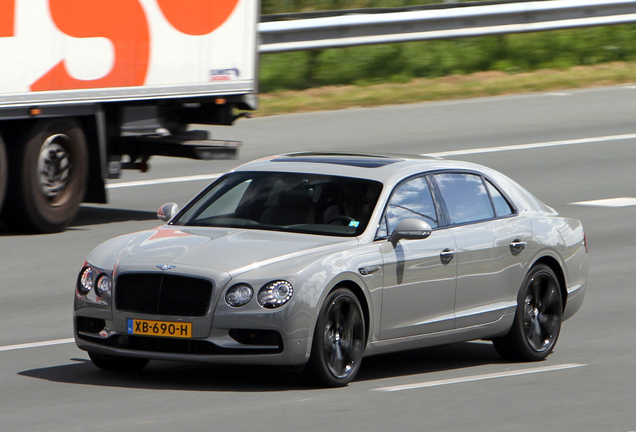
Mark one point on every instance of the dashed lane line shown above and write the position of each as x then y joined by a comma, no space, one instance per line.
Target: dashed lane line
533,146
36,344
163,181
481,377
609,202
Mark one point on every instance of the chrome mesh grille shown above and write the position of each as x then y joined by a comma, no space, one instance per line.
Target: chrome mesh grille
161,294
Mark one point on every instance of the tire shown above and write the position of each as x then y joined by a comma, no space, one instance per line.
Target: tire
4,172
49,181
537,322
118,364
339,341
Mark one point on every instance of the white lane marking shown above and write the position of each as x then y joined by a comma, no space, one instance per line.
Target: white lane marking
477,377
36,344
163,181
559,94
610,202
532,146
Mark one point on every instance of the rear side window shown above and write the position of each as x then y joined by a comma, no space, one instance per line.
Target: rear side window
502,207
465,196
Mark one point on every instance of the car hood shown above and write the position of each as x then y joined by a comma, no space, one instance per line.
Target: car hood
233,251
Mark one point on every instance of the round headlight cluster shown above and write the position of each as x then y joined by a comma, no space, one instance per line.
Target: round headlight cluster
87,281
239,295
275,294
85,284
103,285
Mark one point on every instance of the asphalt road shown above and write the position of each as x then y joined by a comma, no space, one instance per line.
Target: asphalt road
581,149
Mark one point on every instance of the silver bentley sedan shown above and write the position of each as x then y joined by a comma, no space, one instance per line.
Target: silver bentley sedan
313,261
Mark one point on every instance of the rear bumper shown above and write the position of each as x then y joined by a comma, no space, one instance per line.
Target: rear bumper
574,301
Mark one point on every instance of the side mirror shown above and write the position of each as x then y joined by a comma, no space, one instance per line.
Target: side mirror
167,211
410,229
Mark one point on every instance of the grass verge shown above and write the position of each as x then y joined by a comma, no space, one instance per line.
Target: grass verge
478,84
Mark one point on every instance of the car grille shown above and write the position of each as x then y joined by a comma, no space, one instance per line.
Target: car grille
159,294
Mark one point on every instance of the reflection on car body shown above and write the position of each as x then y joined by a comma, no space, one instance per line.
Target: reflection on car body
317,260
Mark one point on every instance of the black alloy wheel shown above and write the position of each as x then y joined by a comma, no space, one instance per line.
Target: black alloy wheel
339,340
537,322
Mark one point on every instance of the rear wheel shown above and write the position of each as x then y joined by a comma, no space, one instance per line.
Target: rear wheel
4,172
339,341
537,322
48,183
118,364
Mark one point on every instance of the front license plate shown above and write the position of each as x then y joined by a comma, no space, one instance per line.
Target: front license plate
159,328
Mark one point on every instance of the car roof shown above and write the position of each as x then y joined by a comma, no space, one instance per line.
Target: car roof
388,169
385,168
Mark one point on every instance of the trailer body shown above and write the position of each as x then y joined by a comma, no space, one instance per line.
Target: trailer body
90,87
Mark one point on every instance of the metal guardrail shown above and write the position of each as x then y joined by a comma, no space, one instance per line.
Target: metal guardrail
381,10
368,29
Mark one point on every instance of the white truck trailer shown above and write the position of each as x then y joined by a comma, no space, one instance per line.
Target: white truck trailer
91,87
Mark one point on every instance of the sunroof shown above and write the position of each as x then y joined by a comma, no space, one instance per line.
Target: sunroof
362,161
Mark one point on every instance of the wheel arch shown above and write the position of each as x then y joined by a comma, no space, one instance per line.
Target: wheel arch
555,266
357,290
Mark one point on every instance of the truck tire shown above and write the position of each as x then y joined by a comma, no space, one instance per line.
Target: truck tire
4,172
49,181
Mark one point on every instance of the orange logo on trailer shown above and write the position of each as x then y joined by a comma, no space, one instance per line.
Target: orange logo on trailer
209,16
7,15
124,23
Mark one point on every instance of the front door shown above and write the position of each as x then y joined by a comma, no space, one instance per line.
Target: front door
419,275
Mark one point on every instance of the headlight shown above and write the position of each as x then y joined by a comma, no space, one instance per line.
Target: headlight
103,285
85,284
239,295
275,294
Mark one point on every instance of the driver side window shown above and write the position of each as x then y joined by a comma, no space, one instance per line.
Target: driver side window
411,200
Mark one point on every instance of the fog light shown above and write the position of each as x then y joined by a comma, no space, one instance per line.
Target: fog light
103,285
275,294
86,281
239,295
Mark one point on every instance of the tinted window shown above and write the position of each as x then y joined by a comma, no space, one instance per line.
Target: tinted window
465,196
502,207
295,202
411,200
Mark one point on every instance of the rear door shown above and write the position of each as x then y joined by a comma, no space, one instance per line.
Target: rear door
490,237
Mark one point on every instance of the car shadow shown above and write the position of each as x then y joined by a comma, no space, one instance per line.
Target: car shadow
93,215
159,375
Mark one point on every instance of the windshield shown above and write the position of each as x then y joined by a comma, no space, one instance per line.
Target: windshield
307,203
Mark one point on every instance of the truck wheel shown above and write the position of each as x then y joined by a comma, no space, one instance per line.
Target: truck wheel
3,172
49,182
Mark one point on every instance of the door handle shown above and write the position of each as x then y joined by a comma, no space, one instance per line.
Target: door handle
368,270
446,255
517,246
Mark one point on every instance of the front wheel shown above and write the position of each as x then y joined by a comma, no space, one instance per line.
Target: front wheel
339,340
537,321
118,364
